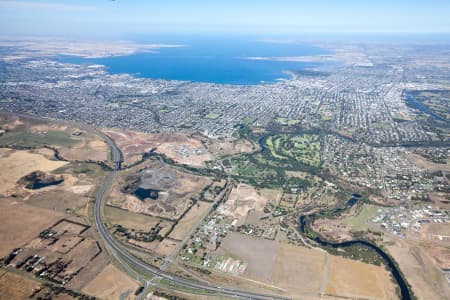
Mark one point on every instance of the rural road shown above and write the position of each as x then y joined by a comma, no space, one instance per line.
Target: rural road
136,266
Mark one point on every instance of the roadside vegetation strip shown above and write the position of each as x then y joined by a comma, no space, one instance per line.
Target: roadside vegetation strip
179,287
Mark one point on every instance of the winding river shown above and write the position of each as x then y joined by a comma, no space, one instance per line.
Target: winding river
411,101
404,290
405,293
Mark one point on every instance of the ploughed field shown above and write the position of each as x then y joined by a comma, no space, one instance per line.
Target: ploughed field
50,171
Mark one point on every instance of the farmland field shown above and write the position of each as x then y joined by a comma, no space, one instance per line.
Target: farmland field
20,163
189,220
112,283
353,279
308,272
36,139
134,221
21,223
58,200
71,142
13,286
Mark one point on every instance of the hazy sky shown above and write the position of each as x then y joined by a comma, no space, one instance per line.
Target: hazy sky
121,18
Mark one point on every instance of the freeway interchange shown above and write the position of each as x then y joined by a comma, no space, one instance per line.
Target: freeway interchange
134,265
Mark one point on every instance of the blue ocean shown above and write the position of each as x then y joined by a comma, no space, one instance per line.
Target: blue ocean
212,60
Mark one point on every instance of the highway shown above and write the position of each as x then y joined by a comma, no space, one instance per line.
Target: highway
134,265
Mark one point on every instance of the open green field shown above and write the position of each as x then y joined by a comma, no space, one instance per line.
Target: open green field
304,148
22,138
248,121
247,168
166,110
286,121
260,171
91,170
360,220
212,116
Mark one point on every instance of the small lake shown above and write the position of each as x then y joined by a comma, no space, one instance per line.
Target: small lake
212,60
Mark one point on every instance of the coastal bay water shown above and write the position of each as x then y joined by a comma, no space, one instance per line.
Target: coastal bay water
211,60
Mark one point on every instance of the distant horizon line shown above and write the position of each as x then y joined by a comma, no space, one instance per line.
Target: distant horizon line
235,33
183,38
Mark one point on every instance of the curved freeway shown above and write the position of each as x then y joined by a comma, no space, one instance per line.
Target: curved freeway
133,263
